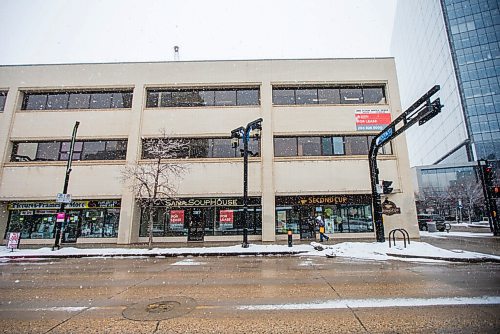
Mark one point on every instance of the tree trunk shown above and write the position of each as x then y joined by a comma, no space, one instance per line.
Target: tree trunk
150,227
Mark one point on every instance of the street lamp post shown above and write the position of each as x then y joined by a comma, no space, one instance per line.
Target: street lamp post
59,224
244,133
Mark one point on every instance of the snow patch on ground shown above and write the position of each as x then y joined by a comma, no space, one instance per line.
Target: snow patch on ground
188,262
441,235
376,251
376,303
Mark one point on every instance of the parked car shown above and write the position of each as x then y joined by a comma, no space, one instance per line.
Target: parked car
423,219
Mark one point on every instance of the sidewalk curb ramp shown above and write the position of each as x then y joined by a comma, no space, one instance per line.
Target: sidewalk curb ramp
449,259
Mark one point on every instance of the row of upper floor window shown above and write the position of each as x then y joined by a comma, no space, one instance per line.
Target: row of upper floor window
200,97
194,148
59,150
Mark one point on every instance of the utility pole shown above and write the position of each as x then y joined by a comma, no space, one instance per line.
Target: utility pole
244,133
421,111
486,172
59,222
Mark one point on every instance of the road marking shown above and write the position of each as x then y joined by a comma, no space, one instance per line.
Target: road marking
376,303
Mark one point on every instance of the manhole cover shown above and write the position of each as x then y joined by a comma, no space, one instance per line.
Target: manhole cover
160,309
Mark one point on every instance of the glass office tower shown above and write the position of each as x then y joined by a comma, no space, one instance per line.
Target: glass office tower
456,44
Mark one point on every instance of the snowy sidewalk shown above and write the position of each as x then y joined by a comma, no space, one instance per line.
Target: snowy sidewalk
416,251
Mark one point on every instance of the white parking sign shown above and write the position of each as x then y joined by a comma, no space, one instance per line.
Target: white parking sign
63,198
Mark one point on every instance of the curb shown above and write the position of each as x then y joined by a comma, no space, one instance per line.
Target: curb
449,259
195,254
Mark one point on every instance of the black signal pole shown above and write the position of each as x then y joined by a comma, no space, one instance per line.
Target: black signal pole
244,133
65,189
421,111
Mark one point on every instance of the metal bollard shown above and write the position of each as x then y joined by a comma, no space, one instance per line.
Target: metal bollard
289,238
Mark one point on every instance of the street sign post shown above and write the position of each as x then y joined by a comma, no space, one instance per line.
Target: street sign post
63,198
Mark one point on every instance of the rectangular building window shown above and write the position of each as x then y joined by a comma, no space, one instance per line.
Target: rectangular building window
285,146
324,146
356,145
3,97
59,150
351,96
283,96
76,100
309,146
328,95
201,148
202,97
306,96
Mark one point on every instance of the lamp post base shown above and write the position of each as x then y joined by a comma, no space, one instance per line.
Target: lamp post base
245,238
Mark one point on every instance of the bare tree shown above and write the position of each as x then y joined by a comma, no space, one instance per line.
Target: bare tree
470,191
153,182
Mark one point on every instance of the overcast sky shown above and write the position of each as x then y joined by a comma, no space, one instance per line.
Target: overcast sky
76,31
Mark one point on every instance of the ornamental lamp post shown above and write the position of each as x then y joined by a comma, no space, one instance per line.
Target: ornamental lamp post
59,223
244,133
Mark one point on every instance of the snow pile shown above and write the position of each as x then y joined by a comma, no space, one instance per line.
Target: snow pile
378,251
441,235
381,251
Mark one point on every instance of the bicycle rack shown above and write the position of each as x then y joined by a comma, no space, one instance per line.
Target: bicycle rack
447,227
403,232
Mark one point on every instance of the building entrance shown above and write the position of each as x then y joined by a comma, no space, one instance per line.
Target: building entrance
307,224
196,224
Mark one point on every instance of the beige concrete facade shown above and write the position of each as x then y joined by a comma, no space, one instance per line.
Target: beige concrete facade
269,176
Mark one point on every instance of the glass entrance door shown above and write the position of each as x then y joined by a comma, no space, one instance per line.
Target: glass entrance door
196,227
71,227
307,223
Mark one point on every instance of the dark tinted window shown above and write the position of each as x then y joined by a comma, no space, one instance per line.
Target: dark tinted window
3,96
199,148
225,98
76,100
326,146
351,96
100,100
79,101
94,150
309,146
283,96
356,145
373,95
202,97
306,96
121,100
247,97
222,148
48,151
152,99
57,101
59,151
34,101
328,96
208,97
285,147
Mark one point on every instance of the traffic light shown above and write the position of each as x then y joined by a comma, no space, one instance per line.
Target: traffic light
495,192
386,187
432,110
488,173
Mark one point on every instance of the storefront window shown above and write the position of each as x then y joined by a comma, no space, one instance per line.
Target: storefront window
341,213
212,216
88,219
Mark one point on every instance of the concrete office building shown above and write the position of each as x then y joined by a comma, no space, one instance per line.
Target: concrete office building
311,158
455,44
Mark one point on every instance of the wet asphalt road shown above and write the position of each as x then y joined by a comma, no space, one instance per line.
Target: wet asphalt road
209,294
